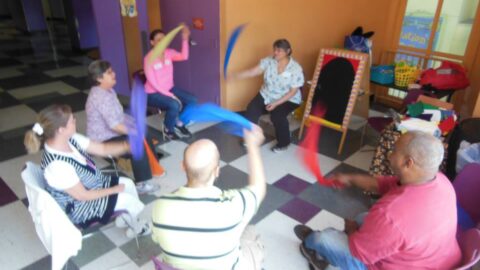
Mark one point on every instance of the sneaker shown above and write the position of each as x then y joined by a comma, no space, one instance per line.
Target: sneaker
145,230
243,143
311,256
171,135
302,231
184,132
279,149
146,187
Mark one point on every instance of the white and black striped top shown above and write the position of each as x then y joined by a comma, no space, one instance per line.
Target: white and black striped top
200,228
82,213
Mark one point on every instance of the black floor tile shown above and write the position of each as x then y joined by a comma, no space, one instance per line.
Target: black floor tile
274,198
45,263
231,178
41,98
6,100
11,143
25,80
330,140
347,202
81,83
49,65
8,62
229,146
70,53
27,51
75,101
6,194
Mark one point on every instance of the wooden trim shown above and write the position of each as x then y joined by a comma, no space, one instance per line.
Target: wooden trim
433,31
412,49
448,55
473,45
399,13
222,41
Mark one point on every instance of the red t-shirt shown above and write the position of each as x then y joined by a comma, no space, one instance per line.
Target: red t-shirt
410,227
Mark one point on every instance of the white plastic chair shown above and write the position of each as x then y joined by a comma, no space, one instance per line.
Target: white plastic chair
56,232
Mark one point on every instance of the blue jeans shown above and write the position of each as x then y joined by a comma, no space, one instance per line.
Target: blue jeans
332,245
171,107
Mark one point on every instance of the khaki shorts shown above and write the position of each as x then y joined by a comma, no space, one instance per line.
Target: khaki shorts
252,250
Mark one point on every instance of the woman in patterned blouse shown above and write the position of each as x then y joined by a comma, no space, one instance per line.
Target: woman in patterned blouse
279,94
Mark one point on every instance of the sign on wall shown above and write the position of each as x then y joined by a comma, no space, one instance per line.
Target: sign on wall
129,8
416,31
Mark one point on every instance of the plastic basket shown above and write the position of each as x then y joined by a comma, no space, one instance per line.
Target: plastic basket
383,74
405,75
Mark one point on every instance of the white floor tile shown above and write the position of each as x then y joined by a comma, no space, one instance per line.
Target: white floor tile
9,72
42,89
148,266
155,121
325,219
293,123
114,259
20,245
116,235
281,244
75,71
195,127
16,116
362,158
373,113
38,59
287,162
11,169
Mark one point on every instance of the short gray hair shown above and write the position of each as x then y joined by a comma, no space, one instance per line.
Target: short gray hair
96,69
426,150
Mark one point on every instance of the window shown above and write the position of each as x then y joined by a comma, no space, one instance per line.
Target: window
447,22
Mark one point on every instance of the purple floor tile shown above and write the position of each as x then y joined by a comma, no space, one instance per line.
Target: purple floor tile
6,194
292,184
299,210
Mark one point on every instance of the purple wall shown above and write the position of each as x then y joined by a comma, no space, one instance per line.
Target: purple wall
111,40
34,17
143,25
86,28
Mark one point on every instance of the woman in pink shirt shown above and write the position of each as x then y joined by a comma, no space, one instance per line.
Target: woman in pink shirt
159,86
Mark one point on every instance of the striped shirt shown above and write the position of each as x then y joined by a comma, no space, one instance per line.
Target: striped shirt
200,228
63,170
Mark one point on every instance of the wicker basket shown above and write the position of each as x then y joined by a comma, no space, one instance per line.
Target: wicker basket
406,75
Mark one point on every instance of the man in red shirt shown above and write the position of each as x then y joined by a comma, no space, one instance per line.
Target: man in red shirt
412,226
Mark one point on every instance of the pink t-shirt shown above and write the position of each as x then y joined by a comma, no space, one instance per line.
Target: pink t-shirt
160,73
410,227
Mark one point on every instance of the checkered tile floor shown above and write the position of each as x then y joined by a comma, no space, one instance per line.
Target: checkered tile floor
32,76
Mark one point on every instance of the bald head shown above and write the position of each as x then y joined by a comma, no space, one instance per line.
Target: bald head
201,161
426,150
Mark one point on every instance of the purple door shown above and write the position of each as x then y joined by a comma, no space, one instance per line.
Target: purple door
200,74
